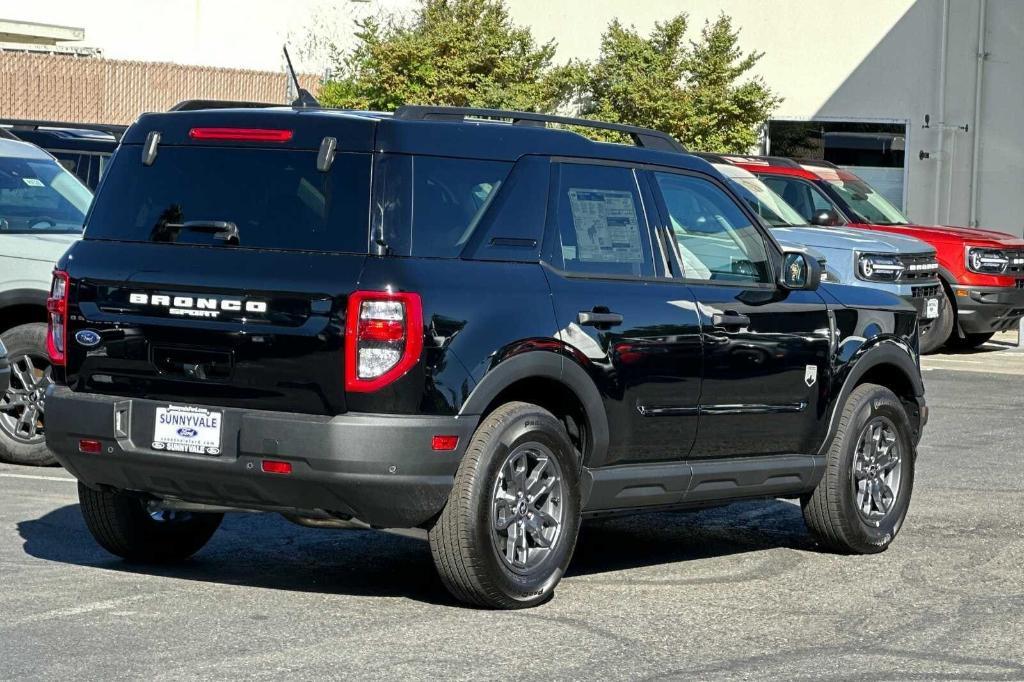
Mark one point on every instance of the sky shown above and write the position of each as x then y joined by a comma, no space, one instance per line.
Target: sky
229,33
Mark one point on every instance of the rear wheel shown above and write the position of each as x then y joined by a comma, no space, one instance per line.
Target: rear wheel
23,406
508,530
126,526
970,340
862,500
935,333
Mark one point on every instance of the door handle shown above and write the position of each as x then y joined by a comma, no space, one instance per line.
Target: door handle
594,318
730,319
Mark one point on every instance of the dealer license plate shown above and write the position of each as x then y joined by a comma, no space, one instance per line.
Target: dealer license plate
182,428
931,308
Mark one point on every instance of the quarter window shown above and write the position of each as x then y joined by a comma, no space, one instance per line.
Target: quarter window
601,222
430,206
716,240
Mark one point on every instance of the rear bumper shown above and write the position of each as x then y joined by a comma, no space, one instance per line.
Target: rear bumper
982,310
379,469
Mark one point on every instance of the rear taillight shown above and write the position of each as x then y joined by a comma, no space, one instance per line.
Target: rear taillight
383,338
57,318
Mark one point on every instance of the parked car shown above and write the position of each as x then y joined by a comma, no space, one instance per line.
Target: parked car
42,208
982,271
480,329
904,266
84,149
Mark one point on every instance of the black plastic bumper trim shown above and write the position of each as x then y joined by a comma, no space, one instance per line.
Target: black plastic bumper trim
379,469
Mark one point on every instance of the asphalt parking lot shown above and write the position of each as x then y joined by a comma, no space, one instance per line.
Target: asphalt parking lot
738,592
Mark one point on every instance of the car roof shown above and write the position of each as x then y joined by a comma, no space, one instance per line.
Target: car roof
809,169
365,131
21,150
71,139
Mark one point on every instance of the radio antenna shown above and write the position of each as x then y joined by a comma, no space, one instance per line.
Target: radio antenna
304,99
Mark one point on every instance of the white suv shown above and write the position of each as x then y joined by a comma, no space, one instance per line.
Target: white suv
42,208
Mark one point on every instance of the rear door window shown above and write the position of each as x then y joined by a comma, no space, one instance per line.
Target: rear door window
274,198
601,222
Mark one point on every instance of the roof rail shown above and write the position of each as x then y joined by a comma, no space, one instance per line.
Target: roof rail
200,104
25,124
642,137
815,162
711,157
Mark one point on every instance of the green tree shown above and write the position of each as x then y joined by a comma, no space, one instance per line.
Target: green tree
450,52
699,91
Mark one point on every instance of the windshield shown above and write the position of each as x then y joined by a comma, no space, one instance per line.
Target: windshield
868,205
39,196
767,204
243,197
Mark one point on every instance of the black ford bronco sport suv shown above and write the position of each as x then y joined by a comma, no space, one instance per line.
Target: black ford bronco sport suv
467,321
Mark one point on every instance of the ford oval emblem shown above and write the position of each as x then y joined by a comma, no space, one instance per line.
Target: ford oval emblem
186,432
88,337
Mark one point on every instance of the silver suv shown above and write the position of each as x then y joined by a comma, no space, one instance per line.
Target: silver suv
42,208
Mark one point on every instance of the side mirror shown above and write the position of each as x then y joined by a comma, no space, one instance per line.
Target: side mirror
800,271
825,218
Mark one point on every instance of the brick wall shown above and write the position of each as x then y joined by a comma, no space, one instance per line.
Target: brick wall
60,88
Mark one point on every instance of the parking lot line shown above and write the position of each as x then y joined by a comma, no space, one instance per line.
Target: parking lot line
38,478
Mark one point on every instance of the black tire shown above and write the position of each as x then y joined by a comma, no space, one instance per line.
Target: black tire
26,342
465,552
123,526
935,334
969,341
831,511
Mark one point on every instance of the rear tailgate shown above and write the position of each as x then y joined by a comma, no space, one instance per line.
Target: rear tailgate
217,262
216,326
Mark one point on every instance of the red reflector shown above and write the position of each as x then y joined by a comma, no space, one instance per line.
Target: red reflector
91,447
273,466
444,442
243,134
381,330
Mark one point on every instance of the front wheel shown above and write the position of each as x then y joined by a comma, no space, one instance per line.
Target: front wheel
508,530
970,341
862,500
126,526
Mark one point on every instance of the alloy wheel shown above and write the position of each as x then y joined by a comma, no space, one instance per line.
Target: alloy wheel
877,470
22,407
526,507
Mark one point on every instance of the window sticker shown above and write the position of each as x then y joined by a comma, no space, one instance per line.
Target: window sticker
33,182
607,227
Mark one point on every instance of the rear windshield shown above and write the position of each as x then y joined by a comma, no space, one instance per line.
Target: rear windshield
248,198
39,196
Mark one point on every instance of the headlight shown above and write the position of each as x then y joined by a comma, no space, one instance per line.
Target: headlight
879,267
987,261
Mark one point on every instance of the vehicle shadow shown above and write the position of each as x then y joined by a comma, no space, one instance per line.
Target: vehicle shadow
266,551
